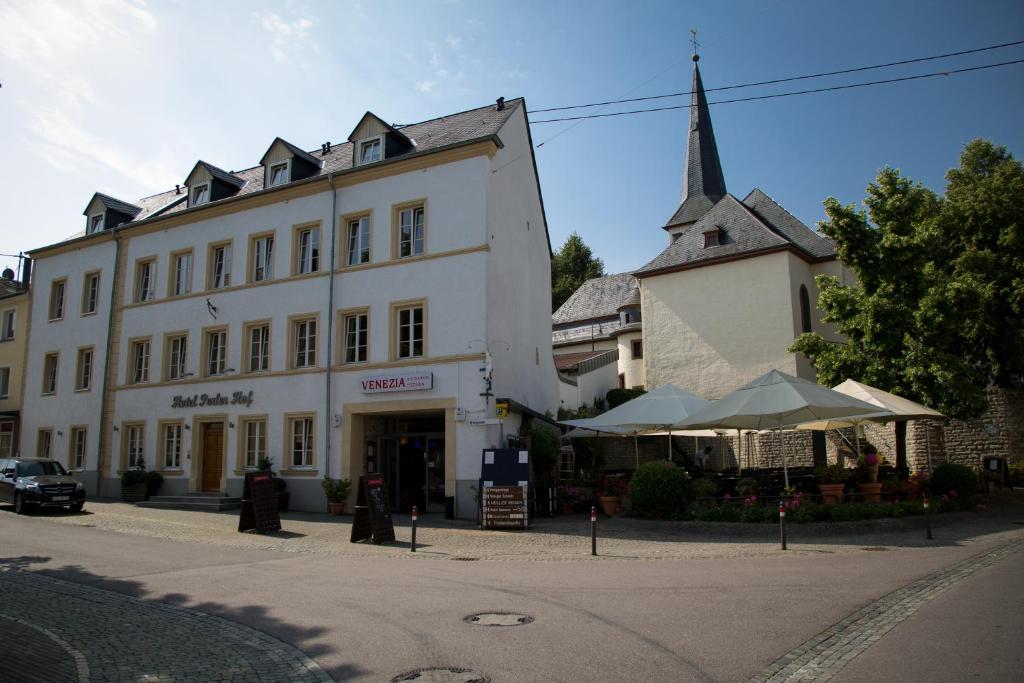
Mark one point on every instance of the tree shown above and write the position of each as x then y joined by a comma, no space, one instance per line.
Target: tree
571,266
937,313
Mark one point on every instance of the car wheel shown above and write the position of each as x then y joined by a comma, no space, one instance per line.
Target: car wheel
19,504
77,507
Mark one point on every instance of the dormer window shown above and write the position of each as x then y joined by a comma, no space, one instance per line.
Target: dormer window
200,194
712,238
95,223
369,151
278,174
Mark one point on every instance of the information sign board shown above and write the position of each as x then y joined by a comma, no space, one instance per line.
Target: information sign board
504,507
259,511
372,521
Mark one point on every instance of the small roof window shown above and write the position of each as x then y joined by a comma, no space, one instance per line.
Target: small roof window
198,195
278,174
369,151
713,238
95,223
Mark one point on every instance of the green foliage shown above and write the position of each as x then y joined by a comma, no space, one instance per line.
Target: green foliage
336,490
544,445
937,313
703,488
133,477
153,482
571,266
1017,474
748,486
660,490
832,474
616,397
953,477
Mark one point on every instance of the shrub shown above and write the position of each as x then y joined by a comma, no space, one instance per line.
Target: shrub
617,397
950,477
133,477
153,481
660,490
703,488
748,486
544,448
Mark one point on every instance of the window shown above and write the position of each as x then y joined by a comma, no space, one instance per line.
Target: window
44,443
6,440
83,370
304,343
170,445
5,382
638,348
261,250
145,280
220,266
805,310
134,443
200,194
410,231
7,326
712,238
254,442
300,432
355,345
358,243
177,355
307,253
369,151
139,369
50,373
278,174
257,347
409,337
90,293
95,223
181,273
57,299
76,458
216,351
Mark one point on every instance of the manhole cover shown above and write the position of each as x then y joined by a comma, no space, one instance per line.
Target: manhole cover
466,559
443,674
875,548
498,619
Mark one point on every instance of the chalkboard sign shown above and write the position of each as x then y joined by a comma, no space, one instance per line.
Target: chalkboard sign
259,504
372,521
504,507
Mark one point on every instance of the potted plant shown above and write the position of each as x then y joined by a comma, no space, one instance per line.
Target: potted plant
869,487
280,485
337,492
135,483
609,493
831,482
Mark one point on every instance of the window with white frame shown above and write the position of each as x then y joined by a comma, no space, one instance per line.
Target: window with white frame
182,274
5,382
57,299
83,370
76,461
140,361
90,293
134,440
308,256
410,232
259,348
278,174
410,332
301,430
255,449
304,343
216,350
200,195
44,444
7,325
177,354
369,151
263,258
95,223
358,241
6,438
145,280
50,373
172,445
356,338
220,266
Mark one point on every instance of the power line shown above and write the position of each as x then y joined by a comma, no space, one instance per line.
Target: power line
787,94
784,80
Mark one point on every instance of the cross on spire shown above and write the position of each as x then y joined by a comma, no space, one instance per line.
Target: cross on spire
693,41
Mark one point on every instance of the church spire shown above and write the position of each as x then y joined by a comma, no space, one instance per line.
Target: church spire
703,182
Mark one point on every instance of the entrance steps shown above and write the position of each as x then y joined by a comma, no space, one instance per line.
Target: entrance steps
194,501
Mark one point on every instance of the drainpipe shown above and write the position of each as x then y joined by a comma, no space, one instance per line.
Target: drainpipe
328,413
104,412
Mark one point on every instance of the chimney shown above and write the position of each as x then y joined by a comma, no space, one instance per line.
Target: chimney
501,104
177,189
26,272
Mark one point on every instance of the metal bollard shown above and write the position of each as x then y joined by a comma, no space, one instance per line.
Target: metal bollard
927,520
415,515
782,522
593,530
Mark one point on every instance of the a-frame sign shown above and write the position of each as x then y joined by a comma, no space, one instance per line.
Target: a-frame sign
372,520
259,504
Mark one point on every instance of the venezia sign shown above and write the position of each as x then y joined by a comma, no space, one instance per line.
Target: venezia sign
399,381
238,398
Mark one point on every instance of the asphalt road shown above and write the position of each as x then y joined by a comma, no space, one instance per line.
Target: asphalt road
364,618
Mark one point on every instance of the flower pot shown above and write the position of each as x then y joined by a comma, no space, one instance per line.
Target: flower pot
609,504
870,493
336,508
831,493
133,493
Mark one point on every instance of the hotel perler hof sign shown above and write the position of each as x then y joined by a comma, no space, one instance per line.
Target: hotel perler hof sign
238,398
398,381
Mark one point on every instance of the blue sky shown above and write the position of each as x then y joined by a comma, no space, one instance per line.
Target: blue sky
123,97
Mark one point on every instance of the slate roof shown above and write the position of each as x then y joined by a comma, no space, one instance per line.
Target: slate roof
571,361
10,288
744,231
297,151
218,173
114,204
596,298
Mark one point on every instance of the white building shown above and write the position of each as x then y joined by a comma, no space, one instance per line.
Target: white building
327,310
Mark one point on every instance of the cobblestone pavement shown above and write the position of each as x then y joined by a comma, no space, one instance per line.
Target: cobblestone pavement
91,634
826,654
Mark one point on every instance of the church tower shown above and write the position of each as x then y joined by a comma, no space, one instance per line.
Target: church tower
703,182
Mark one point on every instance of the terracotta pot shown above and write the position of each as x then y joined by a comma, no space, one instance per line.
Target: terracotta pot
337,508
609,504
831,493
870,493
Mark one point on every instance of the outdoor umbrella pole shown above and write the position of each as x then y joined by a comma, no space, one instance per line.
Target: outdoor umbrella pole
782,450
670,445
636,451
928,446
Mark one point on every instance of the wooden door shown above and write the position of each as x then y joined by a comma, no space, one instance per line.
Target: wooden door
213,455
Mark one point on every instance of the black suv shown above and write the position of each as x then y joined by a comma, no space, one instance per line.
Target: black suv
38,482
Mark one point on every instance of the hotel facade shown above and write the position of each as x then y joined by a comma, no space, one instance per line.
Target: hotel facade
360,308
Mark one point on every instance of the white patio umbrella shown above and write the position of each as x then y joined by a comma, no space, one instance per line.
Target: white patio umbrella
776,401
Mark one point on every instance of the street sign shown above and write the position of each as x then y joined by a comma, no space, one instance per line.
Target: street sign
504,507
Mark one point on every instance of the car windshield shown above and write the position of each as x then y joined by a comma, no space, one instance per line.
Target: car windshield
36,469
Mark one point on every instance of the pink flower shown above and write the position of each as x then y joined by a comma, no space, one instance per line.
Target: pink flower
952,494
871,458
945,498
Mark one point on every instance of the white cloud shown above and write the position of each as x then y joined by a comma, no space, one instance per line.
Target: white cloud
287,37
425,86
454,42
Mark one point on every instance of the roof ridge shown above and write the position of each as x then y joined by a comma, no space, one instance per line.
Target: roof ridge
762,222
508,102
